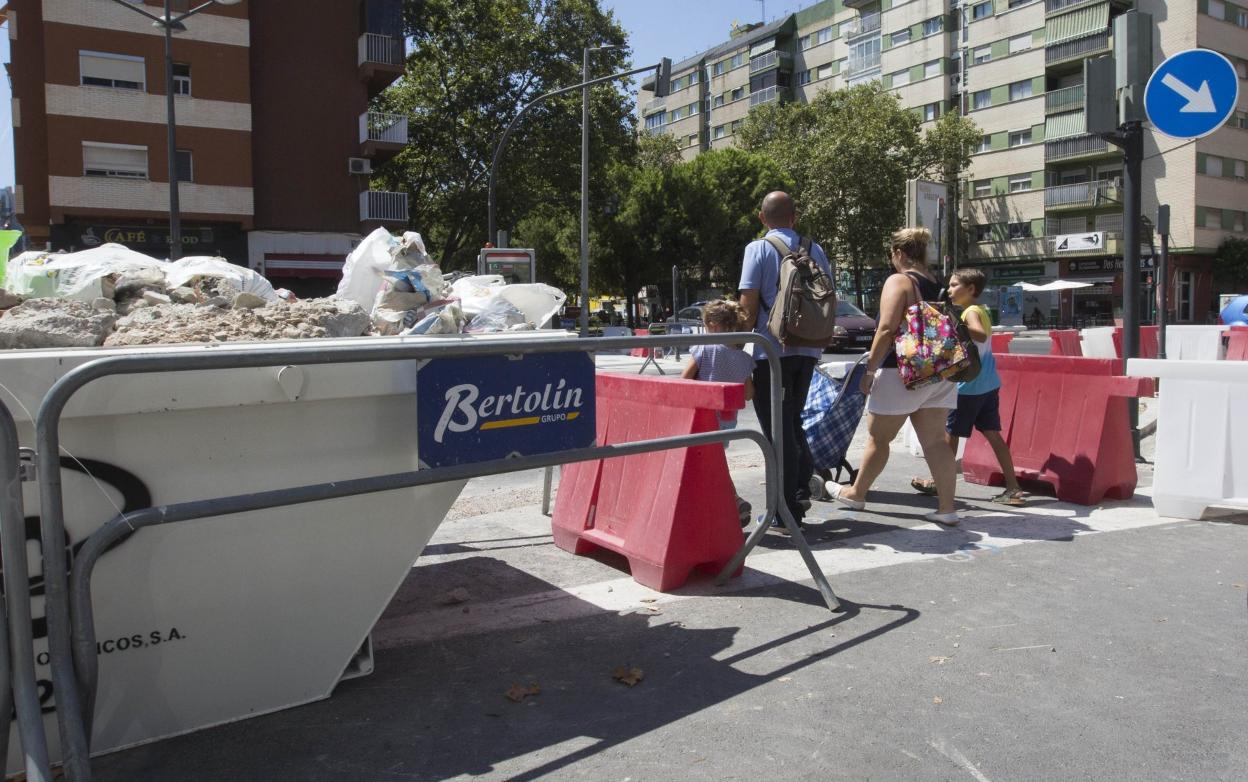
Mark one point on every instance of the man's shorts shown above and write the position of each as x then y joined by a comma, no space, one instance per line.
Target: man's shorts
975,411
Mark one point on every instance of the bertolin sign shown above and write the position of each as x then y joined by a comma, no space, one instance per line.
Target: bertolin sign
496,407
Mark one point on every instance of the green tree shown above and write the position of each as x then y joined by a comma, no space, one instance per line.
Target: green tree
553,232
1230,265
473,64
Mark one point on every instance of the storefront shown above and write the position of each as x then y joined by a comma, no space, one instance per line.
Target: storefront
226,240
1100,304
1009,304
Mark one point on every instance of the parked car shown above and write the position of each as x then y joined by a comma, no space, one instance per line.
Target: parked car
854,328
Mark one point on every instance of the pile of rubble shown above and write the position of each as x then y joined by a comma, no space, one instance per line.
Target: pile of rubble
112,296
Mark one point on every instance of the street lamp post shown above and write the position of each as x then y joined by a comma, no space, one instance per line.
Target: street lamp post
170,24
663,70
584,297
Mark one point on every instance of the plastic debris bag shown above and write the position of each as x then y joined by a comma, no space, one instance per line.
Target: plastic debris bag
85,275
447,318
185,271
499,315
476,292
364,270
539,302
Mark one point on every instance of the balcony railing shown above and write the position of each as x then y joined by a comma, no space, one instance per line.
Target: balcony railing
768,60
654,106
858,66
379,205
863,25
766,95
381,49
1076,47
1081,194
1054,6
1075,146
1065,99
383,128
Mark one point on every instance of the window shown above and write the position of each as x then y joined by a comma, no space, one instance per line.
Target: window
805,42
1241,19
1213,166
931,69
123,161
931,26
981,11
719,101
676,85
738,93
1020,230
804,77
693,139
983,233
1241,67
1020,90
675,114
718,132
1109,174
1020,183
1213,218
737,60
719,67
981,99
119,71
1239,169
181,78
691,109
1185,293
1217,9
1020,137
736,124
982,188
1020,43
1110,222
184,166
1238,224
982,54
931,112
824,35
1017,3
655,122
901,78
985,143
825,71
900,37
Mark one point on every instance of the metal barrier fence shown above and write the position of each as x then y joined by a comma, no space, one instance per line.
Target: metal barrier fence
71,634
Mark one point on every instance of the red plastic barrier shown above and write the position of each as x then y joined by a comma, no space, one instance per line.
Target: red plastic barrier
1149,341
1065,420
1001,343
640,352
1065,343
1237,347
668,512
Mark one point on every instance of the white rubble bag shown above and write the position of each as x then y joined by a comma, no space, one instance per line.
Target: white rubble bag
363,274
183,272
82,275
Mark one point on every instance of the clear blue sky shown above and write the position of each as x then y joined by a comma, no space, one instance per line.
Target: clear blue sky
656,28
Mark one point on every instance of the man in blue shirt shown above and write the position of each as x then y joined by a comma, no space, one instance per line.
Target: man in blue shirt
760,281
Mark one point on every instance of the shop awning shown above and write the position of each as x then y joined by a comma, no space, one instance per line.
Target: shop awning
1076,24
1056,285
1062,125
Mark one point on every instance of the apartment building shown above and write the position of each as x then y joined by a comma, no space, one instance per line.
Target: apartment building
274,137
1015,67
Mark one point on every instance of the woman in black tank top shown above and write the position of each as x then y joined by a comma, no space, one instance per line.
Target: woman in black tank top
892,404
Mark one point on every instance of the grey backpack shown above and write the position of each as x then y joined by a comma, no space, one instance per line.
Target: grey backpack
803,314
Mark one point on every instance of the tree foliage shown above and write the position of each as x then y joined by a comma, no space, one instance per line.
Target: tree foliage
473,65
1230,264
849,153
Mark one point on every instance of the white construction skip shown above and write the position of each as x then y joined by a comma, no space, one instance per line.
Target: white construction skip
1202,427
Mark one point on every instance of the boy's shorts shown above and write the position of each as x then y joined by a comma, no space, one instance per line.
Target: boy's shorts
975,411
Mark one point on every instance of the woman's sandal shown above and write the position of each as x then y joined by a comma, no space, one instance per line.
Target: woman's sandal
924,486
834,493
1015,499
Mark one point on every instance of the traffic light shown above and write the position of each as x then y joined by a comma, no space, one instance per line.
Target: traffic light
663,78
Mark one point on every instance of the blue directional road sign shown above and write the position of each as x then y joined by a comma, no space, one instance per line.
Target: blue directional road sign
1191,94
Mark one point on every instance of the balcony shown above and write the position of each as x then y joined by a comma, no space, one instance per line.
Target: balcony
1008,249
1057,6
1083,195
768,61
859,3
1065,99
863,25
382,135
861,66
653,106
766,95
1077,147
378,206
1077,48
381,59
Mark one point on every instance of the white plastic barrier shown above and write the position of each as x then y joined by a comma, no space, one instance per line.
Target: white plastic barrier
212,621
911,439
1195,343
1202,435
1099,342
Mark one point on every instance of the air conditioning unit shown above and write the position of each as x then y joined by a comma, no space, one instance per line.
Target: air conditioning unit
359,165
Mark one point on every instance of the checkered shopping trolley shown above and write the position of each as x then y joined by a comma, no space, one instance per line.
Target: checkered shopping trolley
833,410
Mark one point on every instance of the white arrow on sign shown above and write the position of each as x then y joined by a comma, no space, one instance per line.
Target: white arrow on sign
1198,101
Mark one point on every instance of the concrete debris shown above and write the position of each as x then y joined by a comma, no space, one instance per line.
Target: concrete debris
183,323
184,295
54,323
8,300
103,305
248,301
152,297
